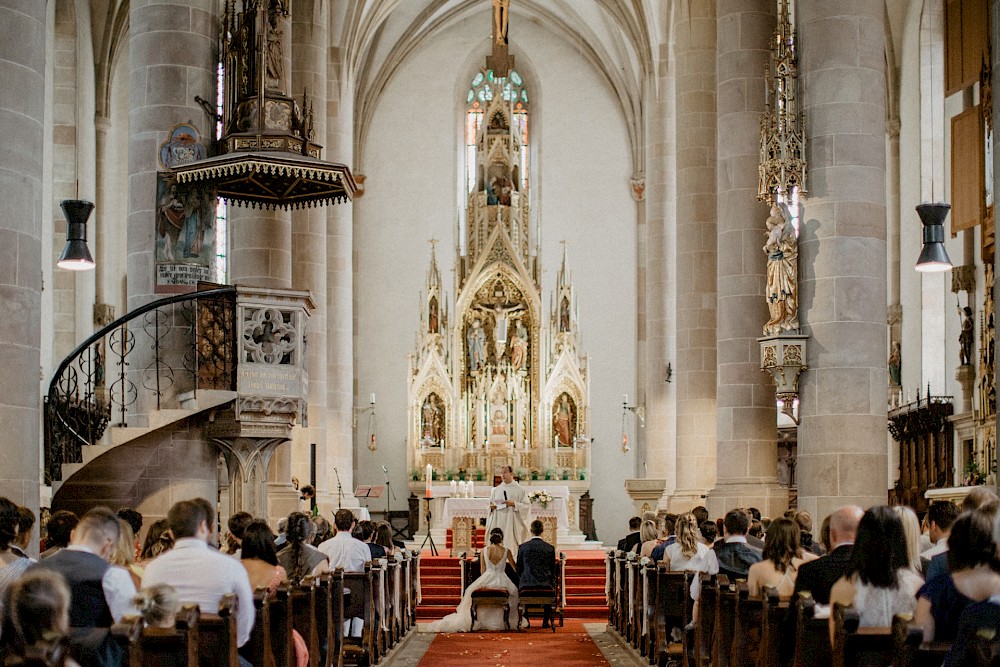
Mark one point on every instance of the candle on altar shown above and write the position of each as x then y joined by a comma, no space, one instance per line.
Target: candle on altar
454,488
430,475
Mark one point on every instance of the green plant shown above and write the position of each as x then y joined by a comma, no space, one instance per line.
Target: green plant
415,475
479,474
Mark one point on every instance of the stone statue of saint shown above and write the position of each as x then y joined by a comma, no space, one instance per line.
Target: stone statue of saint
895,365
476,342
562,422
782,250
965,337
501,12
519,346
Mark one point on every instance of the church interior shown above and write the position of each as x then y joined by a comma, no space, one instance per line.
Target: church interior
361,244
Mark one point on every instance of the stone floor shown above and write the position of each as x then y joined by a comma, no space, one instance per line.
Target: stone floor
413,648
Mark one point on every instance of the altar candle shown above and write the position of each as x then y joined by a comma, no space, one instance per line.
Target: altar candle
430,474
454,489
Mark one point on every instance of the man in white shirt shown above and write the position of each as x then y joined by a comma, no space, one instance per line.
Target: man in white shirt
351,554
508,507
940,516
201,575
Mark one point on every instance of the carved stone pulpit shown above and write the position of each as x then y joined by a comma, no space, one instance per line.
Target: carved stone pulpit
271,383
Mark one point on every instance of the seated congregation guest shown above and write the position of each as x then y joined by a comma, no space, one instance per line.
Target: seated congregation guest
345,552
158,540
234,538
824,534
383,537
709,532
878,582
690,554
819,576
158,605
25,524
12,565
650,537
281,540
323,531
198,573
58,530
629,542
972,559
299,557
667,523
36,616
734,554
978,497
134,520
940,515
701,515
123,553
781,559
536,566
805,522
755,535
365,531
911,528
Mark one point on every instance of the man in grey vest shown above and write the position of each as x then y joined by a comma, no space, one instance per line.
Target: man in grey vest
99,593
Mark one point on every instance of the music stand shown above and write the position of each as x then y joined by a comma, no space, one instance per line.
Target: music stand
367,491
427,520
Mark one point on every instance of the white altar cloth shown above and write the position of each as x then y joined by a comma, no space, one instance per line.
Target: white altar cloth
479,508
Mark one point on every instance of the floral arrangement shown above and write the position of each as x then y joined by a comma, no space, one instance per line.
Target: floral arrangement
540,497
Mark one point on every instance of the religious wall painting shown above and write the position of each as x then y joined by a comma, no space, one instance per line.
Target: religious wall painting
564,420
185,217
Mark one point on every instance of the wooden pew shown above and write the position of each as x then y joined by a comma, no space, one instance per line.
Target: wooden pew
747,630
217,636
708,607
725,620
44,654
303,602
362,605
855,646
673,609
176,646
611,586
773,616
335,626
257,650
621,575
414,579
984,648
634,622
812,635
909,647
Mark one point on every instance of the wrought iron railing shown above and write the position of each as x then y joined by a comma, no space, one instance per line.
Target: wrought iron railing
165,348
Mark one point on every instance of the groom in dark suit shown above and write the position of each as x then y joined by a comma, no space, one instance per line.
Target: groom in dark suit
536,566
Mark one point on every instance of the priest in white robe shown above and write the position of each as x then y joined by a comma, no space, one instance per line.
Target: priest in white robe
508,509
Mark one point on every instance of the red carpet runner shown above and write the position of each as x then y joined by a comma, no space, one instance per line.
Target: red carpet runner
570,646
441,586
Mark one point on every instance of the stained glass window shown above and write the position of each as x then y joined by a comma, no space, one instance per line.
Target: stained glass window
221,214
480,94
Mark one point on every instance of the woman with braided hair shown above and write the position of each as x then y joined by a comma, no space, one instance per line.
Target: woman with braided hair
299,557
36,620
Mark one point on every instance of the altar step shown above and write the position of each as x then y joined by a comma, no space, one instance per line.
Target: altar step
441,587
569,540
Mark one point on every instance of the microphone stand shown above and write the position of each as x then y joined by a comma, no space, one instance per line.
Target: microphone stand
340,491
389,497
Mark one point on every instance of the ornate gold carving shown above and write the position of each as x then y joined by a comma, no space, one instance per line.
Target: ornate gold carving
963,278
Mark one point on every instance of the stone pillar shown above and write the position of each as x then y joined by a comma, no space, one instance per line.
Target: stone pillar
694,30
309,42
842,445
172,57
745,415
660,451
22,68
995,75
340,293
261,247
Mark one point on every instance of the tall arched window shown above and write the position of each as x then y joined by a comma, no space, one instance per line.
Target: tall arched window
480,94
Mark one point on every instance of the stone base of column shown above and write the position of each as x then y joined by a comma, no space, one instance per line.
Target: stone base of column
645,493
766,495
681,500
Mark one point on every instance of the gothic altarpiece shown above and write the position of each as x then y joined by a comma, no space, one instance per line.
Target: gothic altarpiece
496,384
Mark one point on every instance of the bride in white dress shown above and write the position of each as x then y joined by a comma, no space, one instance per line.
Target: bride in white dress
492,575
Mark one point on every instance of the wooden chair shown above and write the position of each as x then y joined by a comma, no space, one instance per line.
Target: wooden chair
490,597
812,635
984,648
773,615
855,646
673,610
361,605
161,647
747,630
909,647
217,636
534,601
704,633
725,620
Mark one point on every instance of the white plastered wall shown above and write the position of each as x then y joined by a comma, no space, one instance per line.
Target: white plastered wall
412,163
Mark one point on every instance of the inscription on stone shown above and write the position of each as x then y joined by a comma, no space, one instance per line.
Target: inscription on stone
268,380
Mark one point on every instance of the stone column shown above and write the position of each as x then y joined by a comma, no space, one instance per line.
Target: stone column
261,250
995,75
340,291
309,42
22,68
745,414
695,30
172,58
842,447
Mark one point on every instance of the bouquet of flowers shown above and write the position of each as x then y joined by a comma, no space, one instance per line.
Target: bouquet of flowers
541,497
